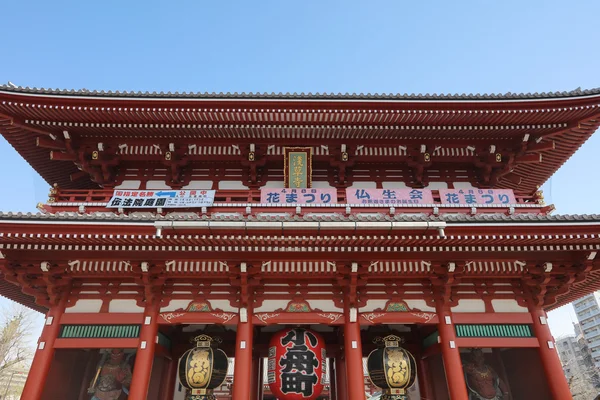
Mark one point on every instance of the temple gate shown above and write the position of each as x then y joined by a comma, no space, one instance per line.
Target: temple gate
240,218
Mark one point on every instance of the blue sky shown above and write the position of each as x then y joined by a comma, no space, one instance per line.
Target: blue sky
308,46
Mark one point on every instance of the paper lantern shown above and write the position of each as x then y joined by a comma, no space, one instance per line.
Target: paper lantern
392,368
203,368
296,368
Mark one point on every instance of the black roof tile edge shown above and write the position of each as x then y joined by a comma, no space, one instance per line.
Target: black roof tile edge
300,96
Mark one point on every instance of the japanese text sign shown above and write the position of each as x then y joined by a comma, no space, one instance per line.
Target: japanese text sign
477,196
296,365
297,168
162,198
389,196
298,196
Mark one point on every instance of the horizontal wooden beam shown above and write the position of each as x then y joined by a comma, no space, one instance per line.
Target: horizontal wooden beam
47,143
471,342
101,318
492,318
84,343
60,156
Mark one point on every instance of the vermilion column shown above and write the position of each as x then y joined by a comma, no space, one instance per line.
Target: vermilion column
457,387
242,372
555,377
144,357
36,380
355,377
341,388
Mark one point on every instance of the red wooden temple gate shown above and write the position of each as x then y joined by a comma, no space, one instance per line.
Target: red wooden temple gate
174,215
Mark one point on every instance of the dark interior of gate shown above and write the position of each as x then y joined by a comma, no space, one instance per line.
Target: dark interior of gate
519,370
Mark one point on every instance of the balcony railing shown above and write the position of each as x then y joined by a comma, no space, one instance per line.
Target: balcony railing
240,200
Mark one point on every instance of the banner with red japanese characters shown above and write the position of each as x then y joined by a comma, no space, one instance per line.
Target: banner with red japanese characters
477,196
162,198
298,196
389,196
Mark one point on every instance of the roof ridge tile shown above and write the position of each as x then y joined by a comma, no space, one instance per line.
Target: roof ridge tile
277,96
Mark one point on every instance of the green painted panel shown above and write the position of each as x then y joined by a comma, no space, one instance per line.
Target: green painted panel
431,339
164,340
493,330
99,331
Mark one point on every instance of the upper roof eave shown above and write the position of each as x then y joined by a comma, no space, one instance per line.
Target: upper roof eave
452,219
133,95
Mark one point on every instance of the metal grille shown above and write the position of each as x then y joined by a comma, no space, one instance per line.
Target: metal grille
494,330
99,331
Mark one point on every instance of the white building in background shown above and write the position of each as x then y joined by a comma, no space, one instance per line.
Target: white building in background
572,356
578,366
587,310
12,381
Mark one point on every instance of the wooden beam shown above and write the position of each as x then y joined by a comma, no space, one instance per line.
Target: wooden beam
60,156
492,318
102,318
47,143
85,343
469,342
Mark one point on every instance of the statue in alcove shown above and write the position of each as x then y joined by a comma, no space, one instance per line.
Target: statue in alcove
112,378
483,383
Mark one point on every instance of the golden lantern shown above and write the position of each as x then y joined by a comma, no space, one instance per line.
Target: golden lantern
392,368
203,368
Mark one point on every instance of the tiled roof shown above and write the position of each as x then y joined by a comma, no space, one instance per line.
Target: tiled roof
13,292
449,218
300,96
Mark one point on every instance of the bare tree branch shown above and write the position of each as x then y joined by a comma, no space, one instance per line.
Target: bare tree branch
15,325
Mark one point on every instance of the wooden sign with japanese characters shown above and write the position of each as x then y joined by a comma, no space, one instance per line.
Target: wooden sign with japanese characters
162,198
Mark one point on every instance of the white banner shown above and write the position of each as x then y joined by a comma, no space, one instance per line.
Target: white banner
162,198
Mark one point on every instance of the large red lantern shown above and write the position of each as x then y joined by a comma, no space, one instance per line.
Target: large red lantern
296,368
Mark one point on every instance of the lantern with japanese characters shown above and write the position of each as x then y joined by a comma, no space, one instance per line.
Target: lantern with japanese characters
297,366
391,368
203,368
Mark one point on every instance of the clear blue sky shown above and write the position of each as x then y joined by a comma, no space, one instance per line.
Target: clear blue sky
308,46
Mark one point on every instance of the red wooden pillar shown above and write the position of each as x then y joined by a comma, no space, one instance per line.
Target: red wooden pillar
555,377
455,378
424,377
341,387
144,357
355,376
170,378
242,372
36,380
